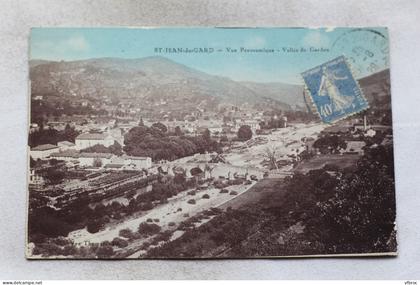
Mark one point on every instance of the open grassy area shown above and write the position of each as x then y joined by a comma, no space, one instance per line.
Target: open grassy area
318,162
261,189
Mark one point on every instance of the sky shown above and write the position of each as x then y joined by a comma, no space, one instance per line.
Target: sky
366,48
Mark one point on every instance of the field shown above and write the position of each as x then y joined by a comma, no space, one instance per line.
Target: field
317,162
261,189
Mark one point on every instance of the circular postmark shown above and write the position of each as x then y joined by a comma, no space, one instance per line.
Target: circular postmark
366,50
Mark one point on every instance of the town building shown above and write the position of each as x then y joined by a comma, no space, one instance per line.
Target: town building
114,166
90,139
309,144
66,155
66,145
253,124
88,159
130,162
355,147
35,181
43,151
336,130
139,162
117,135
370,133
33,127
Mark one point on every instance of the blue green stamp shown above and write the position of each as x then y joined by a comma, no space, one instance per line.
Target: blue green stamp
335,92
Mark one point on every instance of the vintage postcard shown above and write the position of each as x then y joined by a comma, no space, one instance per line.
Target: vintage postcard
210,143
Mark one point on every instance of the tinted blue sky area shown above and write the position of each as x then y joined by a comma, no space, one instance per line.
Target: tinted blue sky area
366,47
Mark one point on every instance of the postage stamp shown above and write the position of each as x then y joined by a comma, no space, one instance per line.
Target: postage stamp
334,91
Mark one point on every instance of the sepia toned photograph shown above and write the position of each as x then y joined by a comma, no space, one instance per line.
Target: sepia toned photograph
174,143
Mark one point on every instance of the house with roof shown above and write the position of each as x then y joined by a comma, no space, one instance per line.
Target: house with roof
138,162
126,162
86,140
66,145
336,130
355,147
36,181
252,123
66,155
114,166
93,159
43,151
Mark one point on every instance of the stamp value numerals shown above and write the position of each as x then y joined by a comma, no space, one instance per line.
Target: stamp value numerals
334,91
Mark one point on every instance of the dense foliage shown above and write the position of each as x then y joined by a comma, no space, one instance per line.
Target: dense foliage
154,143
330,144
52,136
324,211
98,148
47,222
244,133
43,109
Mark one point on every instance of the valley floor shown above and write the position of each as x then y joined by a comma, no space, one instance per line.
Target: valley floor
242,158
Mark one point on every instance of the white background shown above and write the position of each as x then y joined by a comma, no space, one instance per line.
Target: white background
16,18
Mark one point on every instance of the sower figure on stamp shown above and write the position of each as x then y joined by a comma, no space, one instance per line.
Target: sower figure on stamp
329,88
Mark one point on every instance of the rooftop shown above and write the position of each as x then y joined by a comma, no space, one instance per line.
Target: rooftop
114,165
95,155
66,143
134,157
66,153
89,136
43,147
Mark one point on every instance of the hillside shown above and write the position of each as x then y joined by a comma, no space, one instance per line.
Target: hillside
151,78
377,89
289,94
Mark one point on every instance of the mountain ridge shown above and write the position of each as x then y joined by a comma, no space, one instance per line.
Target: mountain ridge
157,77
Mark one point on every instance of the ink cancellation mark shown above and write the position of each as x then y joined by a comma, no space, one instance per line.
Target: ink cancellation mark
366,49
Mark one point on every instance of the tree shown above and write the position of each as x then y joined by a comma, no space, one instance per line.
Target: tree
93,226
70,133
152,142
330,144
178,131
306,155
44,221
97,148
361,214
119,242
224,138
206,135
116,148
208,169
105,251
149,229
160,126
127,233
270,155
55,176
97,162
244,133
